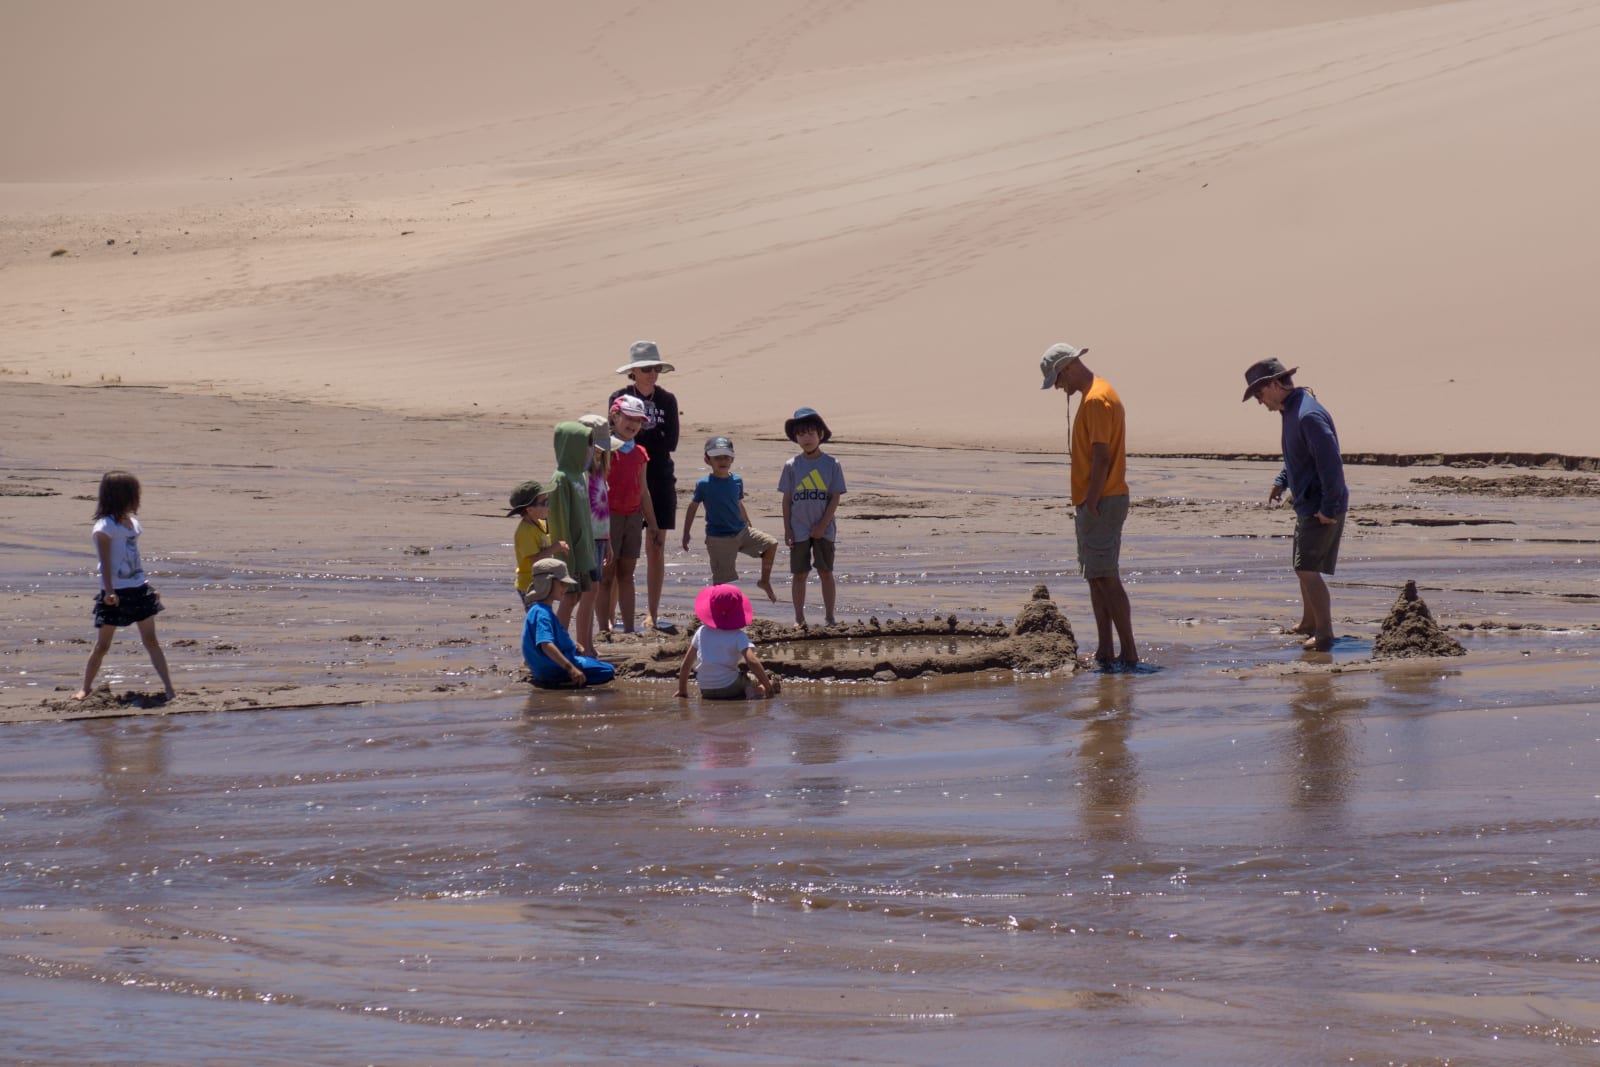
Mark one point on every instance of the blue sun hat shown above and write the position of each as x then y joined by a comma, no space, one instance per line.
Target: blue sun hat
806,415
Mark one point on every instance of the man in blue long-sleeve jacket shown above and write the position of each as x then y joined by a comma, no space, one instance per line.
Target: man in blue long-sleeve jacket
1313,472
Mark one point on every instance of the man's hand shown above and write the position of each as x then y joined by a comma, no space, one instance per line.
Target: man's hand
1325,520
1276,494
686,540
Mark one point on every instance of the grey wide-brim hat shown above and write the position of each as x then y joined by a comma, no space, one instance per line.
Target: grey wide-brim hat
1054,359
644,354
1263,371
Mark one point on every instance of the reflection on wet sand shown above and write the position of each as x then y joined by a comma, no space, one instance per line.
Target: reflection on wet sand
1108,768
1322,762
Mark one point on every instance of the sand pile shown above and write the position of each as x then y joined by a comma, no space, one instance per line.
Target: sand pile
1409,630
1041,640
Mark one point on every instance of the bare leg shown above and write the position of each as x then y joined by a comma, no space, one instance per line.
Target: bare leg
655,558
765,583
1112,611
567,605
625,591
586,601
825,580
1318,608
102,645
797,593
606,601
158,658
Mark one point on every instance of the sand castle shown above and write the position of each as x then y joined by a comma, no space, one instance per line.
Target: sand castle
1040,640
1409,630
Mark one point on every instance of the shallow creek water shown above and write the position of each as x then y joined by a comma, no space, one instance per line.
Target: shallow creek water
1186,865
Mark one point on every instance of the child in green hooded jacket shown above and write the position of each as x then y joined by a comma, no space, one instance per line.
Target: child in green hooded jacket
569,511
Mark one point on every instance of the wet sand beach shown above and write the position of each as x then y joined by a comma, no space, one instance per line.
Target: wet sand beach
325,276
396,847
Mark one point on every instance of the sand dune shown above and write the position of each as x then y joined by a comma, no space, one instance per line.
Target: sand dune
884,210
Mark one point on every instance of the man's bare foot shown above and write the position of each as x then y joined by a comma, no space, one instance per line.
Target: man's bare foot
1303,628
1318,644
1128,662
80,694
765,585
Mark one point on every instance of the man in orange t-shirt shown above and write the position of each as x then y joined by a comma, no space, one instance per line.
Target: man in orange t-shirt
1099,494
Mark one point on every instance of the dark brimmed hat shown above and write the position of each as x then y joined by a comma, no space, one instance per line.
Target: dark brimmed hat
806,415
523,495
1263,371
719,446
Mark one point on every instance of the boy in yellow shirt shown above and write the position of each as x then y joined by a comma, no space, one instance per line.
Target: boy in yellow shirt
531,542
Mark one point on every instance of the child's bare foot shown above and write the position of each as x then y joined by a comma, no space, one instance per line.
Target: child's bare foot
765,585
80,694
830,621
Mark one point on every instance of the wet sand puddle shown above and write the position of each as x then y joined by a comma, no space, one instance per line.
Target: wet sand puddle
1260,860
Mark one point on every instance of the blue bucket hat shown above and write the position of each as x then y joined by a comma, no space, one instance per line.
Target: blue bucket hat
806,415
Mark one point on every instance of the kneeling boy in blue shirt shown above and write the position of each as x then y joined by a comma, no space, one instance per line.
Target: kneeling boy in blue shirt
547,648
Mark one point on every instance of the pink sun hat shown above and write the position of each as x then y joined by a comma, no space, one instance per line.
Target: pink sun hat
723,607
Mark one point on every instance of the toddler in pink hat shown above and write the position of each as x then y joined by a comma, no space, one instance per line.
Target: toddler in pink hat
721,648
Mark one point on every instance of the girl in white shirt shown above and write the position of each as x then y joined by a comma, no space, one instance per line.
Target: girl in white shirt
721,646
125,598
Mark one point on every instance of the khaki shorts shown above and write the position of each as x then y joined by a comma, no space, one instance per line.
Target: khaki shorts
813,550
1100,537
724,552
627,535
1316,547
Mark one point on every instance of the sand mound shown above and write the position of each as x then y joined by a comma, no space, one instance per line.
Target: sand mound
1409,630
1041,616
883,651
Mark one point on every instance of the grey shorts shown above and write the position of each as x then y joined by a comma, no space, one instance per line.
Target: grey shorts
1100,537
724,552
1316,547
816,551
627,535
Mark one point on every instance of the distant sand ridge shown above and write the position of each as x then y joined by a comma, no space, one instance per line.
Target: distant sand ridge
885,218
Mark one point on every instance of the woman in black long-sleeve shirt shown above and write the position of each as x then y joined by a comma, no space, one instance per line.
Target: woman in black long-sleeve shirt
660,439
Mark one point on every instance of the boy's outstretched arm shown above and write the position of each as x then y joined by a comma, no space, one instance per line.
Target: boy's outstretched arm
688,522
684,670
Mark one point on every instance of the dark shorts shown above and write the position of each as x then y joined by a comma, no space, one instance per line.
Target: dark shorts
736,691
663,498
133,605
1100,537
1316,547
813,551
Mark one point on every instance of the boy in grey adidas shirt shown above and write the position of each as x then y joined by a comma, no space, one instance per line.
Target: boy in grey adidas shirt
811,484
